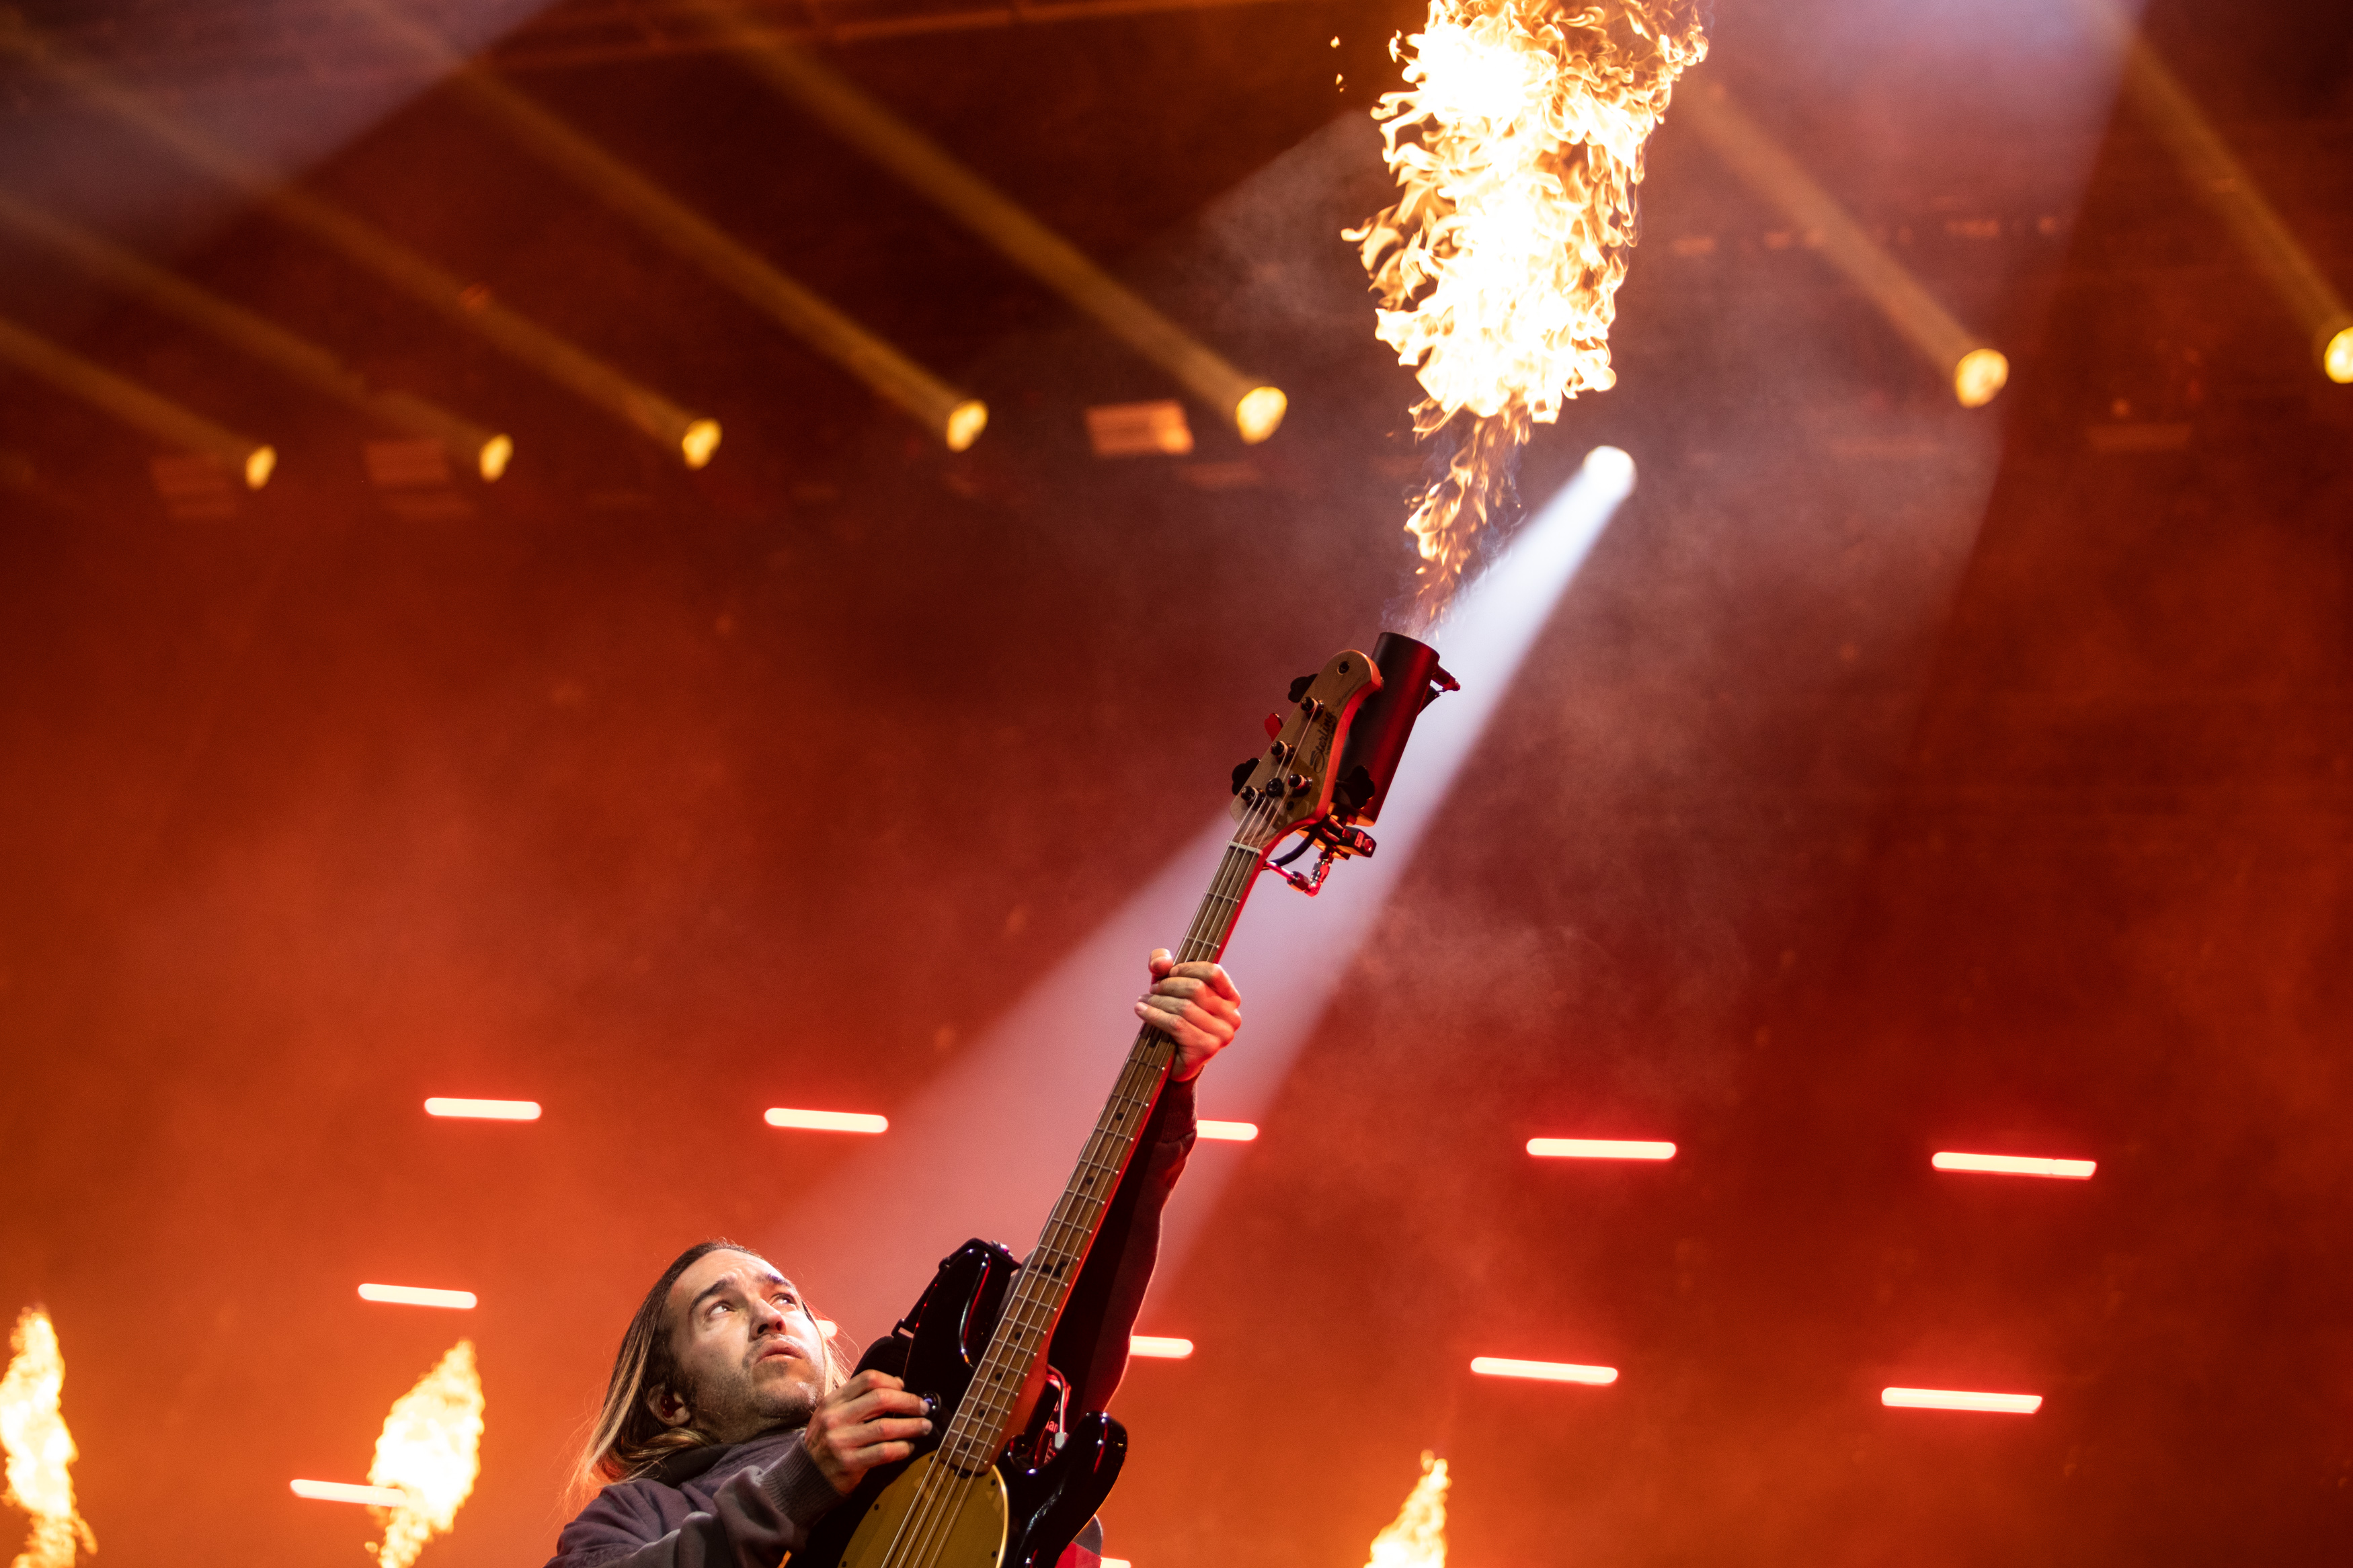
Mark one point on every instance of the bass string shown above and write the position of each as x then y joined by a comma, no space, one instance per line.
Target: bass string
928,1515
1067,1231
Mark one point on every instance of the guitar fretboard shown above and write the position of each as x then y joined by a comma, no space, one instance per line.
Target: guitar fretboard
980,1430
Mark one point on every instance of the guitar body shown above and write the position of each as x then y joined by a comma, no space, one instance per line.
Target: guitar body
1021,1511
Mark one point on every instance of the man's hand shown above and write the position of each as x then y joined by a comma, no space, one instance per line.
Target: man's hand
866,1422
1195,1005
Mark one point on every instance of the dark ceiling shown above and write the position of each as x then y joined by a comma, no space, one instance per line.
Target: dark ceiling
1893,778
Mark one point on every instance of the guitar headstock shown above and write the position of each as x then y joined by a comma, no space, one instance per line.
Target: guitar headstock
1289,786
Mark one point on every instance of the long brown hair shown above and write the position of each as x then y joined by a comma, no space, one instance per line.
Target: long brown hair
627,1438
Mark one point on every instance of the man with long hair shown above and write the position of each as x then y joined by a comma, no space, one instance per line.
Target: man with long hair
731,1422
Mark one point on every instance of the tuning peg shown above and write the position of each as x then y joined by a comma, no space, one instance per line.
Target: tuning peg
1242,771
1273,725
1299,687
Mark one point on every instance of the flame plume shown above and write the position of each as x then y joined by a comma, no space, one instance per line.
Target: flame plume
40,1449
1517,148
1417,1537
430,1449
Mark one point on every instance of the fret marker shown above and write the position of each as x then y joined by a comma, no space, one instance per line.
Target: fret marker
1544,1371
1158,1347
1960,1399
828,1120
2015,1166
417,1295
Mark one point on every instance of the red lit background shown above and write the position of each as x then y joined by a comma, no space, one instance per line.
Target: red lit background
1894,779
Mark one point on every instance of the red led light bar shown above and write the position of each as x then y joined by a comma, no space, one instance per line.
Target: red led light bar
1159,1347
1960,1399
484,1109
1598,1149
417,1295
1229,1131
347,1491
1543,1370
828,1120
2015,1166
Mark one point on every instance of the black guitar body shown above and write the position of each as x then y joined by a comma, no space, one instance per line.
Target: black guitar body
1055,1474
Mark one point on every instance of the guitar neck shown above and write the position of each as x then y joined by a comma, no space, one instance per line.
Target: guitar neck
983,1420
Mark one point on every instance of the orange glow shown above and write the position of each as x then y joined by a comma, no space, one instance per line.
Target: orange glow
828,1120
1543,1370
1417,1537
2016,1165
430,1453
1117,1563
485,1110
1159,1348
40,1450
1229,1132
1517,148
1598,1149
349,1491
1960,1399
2336,355
416,1296
1977,376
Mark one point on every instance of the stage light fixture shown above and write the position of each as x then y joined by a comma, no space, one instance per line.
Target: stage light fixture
418,1296
1960,1399
2015,1166
1229,1131
1158,1347
828,1120
2336,355
1977,370
349,1491
1255,409
1598,1149
1544,1371
484,1109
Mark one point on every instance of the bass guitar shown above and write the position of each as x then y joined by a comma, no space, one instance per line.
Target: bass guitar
1006,1479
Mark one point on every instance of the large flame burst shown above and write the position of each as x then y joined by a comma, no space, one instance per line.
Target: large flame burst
1517,146
1417,1537
430,1449
40,1449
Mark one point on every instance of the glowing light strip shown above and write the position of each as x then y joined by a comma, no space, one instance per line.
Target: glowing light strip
2016,1165
828,1120
1960,1399
347,1491
417,1295
484,1109
1155,1346
1598,1149
1229,1131
1117,1563
1543,1370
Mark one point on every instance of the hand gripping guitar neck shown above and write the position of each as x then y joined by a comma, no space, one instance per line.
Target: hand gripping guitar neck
1008,1479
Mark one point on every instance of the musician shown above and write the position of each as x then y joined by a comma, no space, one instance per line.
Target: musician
731,1423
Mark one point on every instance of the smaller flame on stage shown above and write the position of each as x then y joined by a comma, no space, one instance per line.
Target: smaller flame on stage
40,1450
1417,1537
1517,147
431,1451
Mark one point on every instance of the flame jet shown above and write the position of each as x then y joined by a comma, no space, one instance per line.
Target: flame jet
40,1450
1417,1537
1517,147
431,1451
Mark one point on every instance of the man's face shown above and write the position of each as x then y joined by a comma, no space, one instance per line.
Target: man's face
751,1357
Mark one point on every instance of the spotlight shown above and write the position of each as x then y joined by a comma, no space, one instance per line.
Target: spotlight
2337,354
348,1492
1598,1149
1259,412
1981,374
701,439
